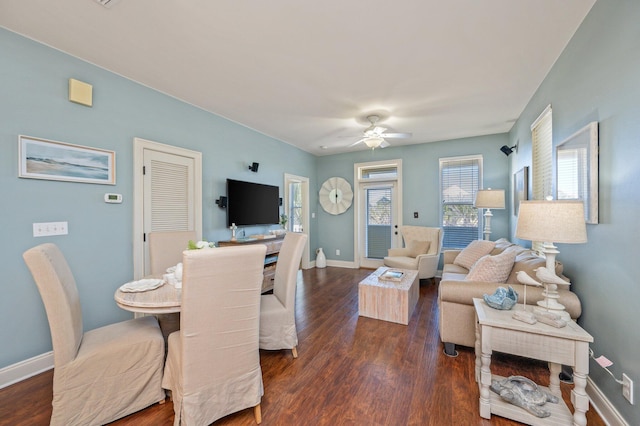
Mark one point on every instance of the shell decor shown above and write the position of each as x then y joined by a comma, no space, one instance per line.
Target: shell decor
502,299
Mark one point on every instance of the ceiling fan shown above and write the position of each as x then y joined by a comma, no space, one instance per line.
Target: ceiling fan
374,136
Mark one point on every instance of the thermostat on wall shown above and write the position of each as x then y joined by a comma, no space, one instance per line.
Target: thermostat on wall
113,198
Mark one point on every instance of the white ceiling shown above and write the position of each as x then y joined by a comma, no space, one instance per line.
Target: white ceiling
309,72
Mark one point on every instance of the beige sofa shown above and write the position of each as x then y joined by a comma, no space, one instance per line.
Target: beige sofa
455,294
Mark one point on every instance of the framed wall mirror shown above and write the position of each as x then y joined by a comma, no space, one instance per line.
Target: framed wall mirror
577,170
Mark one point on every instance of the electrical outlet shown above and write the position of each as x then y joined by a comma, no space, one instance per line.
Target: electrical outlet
627,388
337,252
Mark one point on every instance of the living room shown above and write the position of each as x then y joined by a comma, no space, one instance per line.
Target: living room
594,79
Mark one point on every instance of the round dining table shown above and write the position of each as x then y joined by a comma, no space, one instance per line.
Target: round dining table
162,300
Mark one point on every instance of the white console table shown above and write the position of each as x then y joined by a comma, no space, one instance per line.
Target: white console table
496,330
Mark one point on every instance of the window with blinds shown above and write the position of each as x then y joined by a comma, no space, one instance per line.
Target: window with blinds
460,179
542,167
542,173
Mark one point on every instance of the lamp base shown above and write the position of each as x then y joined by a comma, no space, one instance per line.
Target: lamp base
487,224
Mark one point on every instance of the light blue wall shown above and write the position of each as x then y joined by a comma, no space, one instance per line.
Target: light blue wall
420,165
33,101
598,78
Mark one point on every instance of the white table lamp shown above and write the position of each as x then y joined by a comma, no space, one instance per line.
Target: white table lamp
489,199
548,221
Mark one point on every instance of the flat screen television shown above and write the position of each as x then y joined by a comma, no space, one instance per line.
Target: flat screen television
250,203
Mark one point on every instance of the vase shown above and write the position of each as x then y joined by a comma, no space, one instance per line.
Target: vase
321,259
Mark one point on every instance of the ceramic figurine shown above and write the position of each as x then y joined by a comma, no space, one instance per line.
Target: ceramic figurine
524,393
502,299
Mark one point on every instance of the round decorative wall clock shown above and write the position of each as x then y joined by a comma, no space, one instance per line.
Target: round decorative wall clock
335,195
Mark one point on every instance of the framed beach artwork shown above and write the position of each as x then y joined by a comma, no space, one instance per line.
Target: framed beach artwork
520,188
51,160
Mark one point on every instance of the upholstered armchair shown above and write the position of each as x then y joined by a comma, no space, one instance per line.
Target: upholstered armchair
103,374
213,363
421,251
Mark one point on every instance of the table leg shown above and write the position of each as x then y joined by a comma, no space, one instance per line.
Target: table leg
485,382
554,379
579,397
478,352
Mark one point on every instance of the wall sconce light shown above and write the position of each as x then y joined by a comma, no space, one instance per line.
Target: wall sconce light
222,202
254,167
507,150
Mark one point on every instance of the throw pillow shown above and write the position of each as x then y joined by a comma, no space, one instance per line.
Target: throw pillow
474,251
417,248
492,269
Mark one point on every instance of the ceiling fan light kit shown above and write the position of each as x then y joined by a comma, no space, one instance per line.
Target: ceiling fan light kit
374,135
373,142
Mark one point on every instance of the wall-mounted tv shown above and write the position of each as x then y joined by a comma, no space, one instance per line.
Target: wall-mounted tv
250,203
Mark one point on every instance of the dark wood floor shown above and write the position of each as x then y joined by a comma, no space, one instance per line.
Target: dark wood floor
350,370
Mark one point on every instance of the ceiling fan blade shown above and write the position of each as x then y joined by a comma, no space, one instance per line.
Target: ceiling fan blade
396,135
384,144
357,142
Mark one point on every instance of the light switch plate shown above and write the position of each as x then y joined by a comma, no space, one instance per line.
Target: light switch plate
47,229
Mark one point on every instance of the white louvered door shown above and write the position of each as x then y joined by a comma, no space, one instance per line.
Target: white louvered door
169,195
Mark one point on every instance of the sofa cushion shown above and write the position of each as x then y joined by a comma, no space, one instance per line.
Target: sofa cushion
416,248
474,251
501,245
492,269
463,292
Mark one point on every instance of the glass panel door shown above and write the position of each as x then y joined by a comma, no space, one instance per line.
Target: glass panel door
379,222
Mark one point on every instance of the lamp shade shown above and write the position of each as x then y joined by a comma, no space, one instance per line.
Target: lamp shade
489,199
559,221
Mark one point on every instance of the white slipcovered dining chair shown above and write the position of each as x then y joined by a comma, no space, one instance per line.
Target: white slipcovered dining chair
166,247
277,310
165,250
421,251
99,375
213,363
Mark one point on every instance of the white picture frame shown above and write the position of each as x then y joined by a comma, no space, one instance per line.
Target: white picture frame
52,160
577,170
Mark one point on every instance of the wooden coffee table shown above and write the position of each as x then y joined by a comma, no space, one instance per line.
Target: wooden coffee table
389,300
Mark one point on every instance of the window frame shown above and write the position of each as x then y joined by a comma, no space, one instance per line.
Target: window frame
443,163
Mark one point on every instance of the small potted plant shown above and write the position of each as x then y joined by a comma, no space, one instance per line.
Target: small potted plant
283,221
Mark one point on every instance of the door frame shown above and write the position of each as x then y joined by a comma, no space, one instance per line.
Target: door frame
139,146
357,211
289,178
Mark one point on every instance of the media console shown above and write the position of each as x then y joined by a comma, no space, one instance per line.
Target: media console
271,257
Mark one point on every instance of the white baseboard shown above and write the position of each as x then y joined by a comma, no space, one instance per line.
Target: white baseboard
603,406
341,264
24,369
